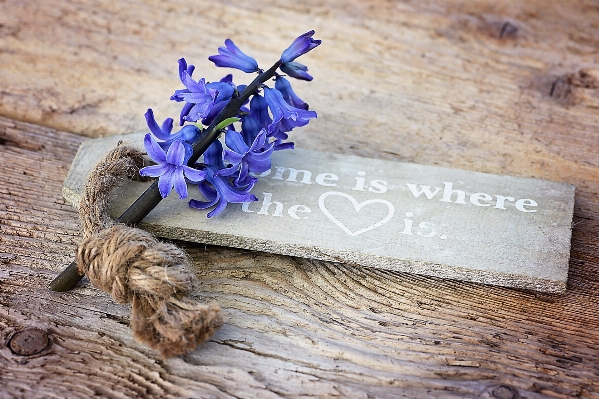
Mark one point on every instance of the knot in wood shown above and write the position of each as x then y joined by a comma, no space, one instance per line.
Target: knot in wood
30,341
504,392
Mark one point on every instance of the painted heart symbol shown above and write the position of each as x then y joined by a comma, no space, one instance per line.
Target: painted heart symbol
357,207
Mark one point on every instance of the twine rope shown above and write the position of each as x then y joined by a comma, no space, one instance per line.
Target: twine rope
134,267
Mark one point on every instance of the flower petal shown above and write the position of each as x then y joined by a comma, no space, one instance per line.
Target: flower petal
182,67
198,111
273,99
153,149
227,79
289,95
284,146
208,192
179,183
184,112
232,57
165,183
191,84
194,174
188,134
296,70
232,157
261,156
153,126
155,170
259,110
196,97
259,141
229,193
217,211
231,170
185,71
224,90
213,155
285,116
246,184
235,141
301,45
176,153
167,126
213,113
250,127
190,70
202,204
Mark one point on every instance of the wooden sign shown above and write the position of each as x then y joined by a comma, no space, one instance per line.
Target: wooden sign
449,223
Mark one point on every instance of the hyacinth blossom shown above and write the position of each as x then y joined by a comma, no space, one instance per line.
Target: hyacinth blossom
220,190
171,169
242,158
296,70
300,46
285,117
188,133
231,56
284,86
199,97
253,121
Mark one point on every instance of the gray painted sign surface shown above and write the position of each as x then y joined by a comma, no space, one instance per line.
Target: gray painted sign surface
428,220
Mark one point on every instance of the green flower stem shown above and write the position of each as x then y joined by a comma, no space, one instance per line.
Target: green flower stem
151,197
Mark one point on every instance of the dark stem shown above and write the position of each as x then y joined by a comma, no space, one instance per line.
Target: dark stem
151,197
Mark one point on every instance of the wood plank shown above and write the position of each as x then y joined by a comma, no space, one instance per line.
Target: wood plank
499,87
368,212
295,327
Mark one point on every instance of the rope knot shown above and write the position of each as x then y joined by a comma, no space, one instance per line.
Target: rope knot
134,267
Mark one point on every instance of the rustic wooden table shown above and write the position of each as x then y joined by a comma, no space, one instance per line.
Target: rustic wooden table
501,87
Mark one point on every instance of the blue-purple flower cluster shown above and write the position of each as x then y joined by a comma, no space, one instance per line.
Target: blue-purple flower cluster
228,172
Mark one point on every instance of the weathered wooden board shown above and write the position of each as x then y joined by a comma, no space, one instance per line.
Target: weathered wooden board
506,87
421,219
295,327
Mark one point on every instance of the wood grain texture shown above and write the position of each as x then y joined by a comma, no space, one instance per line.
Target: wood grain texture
501,87
295,327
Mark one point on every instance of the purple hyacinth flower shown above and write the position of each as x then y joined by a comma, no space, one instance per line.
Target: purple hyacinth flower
259,110
284,146
199,97
244,159
199,100
289,95
183,67
216,108
232,57
296,70
188,133
250,128
218,190
227,79
300,46
171,168
160,132
224,90
285,116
